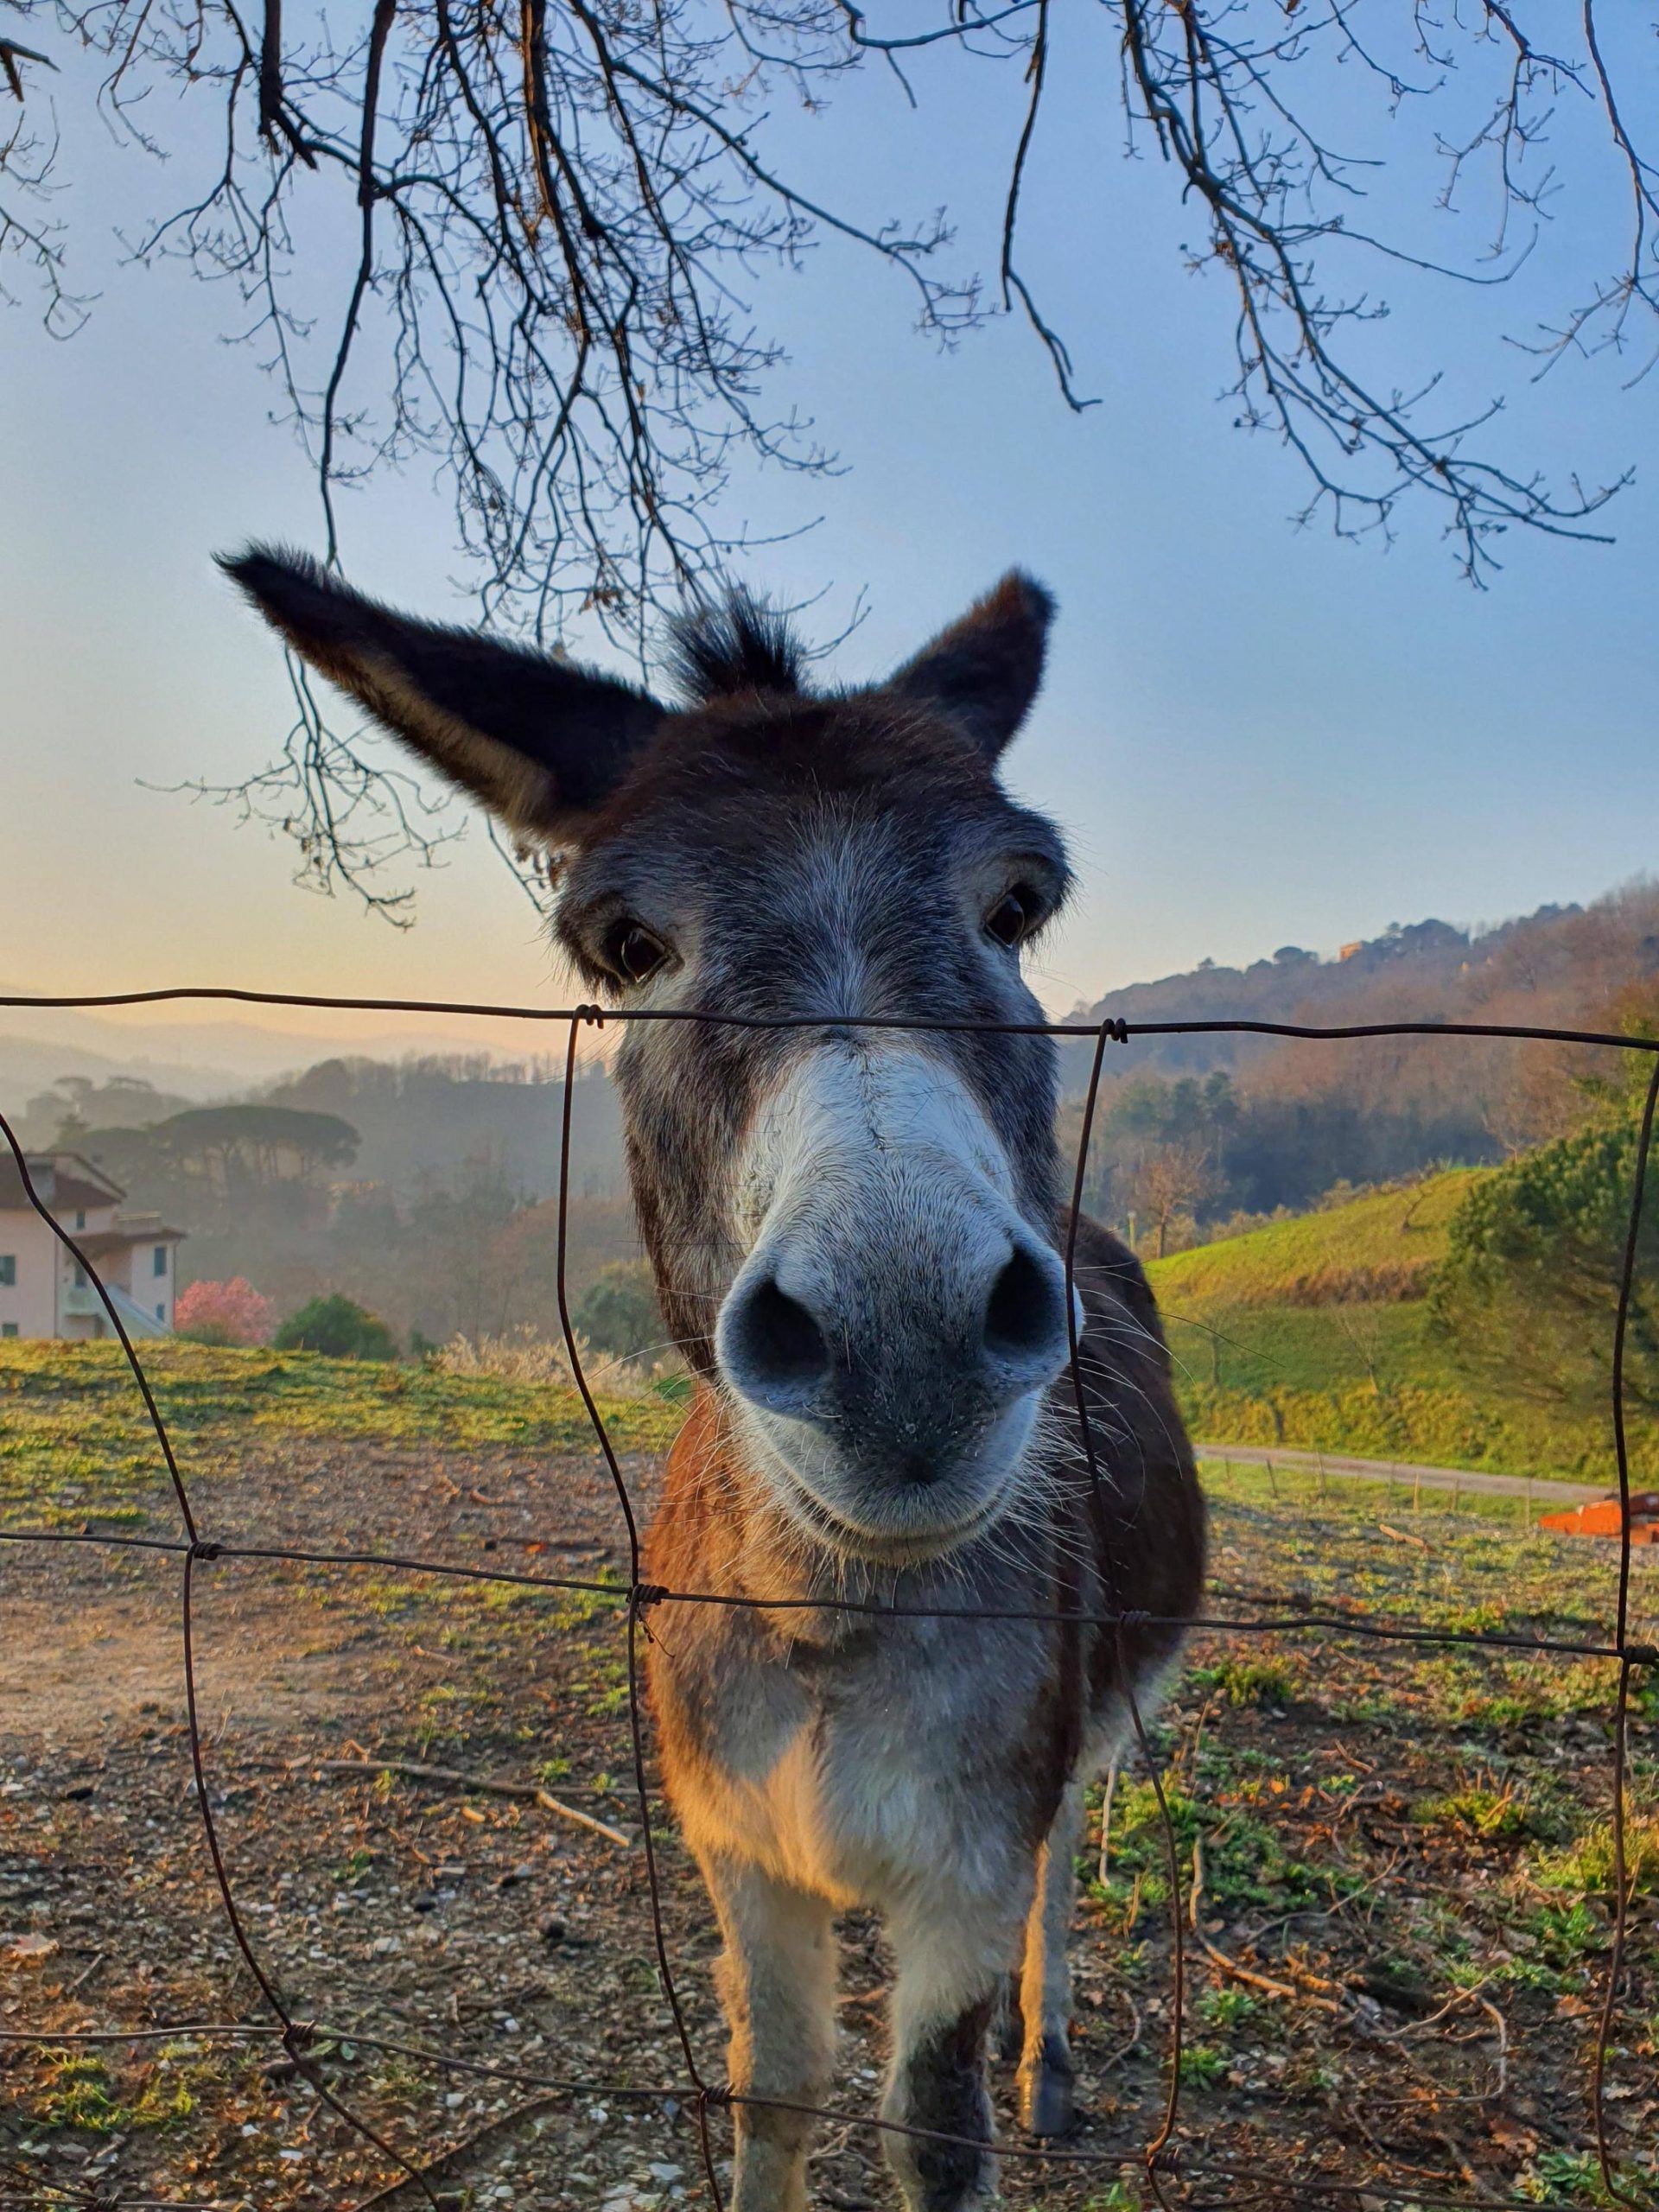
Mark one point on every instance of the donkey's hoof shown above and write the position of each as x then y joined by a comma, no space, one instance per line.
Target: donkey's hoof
1049,2094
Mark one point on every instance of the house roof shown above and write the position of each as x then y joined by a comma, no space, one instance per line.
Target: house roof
64,1181
136,1230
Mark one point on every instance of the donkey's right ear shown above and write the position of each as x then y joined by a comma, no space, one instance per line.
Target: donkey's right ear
542,742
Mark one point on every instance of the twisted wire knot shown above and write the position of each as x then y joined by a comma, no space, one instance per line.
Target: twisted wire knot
645,1595
594,1015
1117,1029
298,2036
203,1548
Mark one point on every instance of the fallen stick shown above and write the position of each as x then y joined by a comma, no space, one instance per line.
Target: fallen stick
1403,1536
1282,1989
456,1780
85,1973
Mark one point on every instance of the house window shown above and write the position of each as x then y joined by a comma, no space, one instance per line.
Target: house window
80,1277
80,1221
159,1267
8,1328
161,1313
7,1269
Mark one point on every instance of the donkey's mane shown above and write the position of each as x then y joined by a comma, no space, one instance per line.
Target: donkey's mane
733,646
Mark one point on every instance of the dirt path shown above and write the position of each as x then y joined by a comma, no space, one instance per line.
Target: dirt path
1399,1471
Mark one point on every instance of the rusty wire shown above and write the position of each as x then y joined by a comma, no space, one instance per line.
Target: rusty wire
1162,2160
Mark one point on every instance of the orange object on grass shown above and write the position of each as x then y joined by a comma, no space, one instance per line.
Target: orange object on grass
1602,1518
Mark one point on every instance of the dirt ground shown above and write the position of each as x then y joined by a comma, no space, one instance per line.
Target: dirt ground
1394,1963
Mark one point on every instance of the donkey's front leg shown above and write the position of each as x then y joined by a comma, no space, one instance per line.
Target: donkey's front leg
953,1954
778,1983
1047,2100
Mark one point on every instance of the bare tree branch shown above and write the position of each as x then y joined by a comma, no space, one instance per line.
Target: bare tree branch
558,207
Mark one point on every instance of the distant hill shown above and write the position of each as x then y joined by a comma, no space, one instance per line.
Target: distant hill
30,1065
1559,965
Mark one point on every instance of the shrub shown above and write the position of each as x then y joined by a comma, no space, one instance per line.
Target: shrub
223,1313
338,1326
617,1311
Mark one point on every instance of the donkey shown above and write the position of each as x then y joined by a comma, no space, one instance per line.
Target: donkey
858,1238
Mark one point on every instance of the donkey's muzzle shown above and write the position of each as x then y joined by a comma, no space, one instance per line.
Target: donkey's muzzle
901,1368
888,1338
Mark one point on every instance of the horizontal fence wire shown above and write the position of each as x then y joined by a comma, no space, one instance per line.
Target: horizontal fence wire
1163,2163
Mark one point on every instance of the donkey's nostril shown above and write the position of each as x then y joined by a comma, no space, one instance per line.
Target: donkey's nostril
1025,1316
772,1342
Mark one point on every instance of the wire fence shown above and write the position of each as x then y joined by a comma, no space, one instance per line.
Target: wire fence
1163,2164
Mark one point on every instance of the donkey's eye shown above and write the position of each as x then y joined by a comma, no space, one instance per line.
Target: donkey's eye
1015,915
631,951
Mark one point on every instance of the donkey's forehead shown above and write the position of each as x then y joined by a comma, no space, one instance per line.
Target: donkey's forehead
742,788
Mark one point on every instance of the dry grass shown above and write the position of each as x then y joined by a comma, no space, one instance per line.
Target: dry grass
522,1356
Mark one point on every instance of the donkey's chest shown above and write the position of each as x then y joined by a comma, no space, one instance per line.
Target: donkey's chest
855,1778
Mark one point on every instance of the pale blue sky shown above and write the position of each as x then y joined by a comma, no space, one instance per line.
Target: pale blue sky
1252,736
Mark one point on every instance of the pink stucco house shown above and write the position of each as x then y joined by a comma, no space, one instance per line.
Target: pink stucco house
43,1293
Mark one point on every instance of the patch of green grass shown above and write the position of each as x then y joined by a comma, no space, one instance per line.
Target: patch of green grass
1247,1681
75,1440
1566,1934
1576,2176
1201,2065
1494,1815
1257,1348
81,2092
1227,2008
1244,1859
1587,1865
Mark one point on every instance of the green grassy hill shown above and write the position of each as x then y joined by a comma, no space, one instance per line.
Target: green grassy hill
1380,1246
1312,1332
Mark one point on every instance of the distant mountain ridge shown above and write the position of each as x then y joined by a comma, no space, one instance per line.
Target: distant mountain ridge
1559,964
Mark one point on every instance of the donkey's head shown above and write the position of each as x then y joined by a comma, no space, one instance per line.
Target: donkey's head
853,1230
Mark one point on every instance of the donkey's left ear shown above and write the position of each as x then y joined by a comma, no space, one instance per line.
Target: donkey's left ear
984,672
542,742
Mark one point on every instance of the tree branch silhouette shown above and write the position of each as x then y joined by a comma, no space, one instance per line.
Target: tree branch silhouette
554,207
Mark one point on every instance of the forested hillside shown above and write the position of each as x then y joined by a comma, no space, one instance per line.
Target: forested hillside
1193,1131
